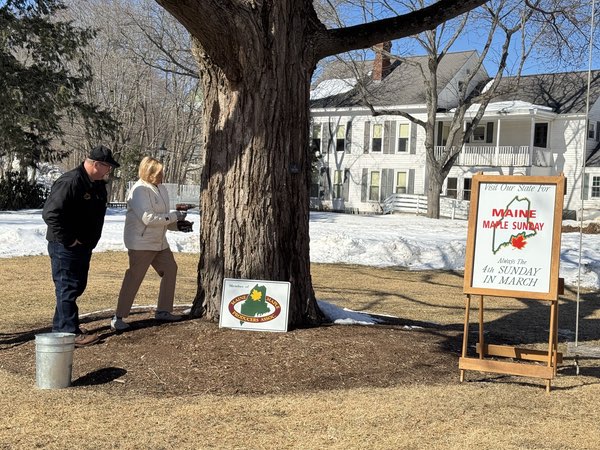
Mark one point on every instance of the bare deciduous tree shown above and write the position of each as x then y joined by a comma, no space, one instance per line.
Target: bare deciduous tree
155,98
506,29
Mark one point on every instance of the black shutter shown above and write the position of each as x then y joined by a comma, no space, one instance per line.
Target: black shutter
386,189
411,182
349,136
326,183
367,141
346,187
413,138
326,137
363,185
393,129
386,136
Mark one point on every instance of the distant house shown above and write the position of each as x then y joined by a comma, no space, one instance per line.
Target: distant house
534,127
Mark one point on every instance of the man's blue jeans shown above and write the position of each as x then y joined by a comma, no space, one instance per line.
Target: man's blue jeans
70,266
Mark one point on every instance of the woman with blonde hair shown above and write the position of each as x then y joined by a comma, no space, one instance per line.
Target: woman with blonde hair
146,223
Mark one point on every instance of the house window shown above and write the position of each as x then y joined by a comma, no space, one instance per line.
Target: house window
595,187
401,183
479,133
591,130
466,189
338,182
340,143
377,138
540,135
451,187
403,137
316,138
374,186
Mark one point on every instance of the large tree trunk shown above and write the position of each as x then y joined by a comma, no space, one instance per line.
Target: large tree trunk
255,184
433,194
435,180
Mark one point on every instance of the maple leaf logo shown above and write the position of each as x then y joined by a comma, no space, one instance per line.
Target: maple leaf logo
518,241
256,295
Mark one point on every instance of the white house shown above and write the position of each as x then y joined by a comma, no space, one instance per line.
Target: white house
536,127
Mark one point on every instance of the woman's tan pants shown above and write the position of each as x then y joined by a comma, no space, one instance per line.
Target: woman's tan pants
139,261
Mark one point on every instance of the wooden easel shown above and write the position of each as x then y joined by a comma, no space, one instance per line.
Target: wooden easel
551,357
486,270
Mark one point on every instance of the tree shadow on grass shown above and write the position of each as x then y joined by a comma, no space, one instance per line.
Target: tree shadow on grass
530,325
9,340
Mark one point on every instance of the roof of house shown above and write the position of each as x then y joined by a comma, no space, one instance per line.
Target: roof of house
563,92
405,84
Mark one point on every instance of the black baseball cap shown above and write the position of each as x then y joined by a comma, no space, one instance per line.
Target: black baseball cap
103,154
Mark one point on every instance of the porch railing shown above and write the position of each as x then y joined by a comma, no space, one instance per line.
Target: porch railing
503,155
409,203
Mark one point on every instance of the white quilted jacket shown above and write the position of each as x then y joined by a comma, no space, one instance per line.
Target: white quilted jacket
148,217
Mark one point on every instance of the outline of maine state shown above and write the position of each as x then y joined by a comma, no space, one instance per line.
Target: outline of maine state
502,236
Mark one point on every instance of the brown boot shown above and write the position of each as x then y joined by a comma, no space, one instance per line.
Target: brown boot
85,339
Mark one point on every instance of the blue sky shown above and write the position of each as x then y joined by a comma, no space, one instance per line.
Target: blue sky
538,62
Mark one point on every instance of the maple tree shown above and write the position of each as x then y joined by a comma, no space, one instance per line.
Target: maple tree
257,168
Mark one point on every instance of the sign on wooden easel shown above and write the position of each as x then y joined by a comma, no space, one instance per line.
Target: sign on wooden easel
513,250
513,245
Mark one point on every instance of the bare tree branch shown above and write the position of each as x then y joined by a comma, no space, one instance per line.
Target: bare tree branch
331,42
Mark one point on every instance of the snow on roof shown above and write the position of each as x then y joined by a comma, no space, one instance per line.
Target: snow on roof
508,107
331,87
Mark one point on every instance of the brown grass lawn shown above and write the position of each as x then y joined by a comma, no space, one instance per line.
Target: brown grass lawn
193,385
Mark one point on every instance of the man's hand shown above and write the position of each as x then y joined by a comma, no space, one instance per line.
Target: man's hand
185,226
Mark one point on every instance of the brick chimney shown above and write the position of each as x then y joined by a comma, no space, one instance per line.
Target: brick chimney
382,64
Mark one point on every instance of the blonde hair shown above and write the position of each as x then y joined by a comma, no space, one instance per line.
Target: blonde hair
149,169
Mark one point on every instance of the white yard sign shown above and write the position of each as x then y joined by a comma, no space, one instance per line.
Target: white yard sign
255,305
514,236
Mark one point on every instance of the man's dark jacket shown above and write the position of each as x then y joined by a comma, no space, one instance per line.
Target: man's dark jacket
75,209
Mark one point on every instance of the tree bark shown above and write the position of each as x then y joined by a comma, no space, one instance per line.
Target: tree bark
435,179
255,184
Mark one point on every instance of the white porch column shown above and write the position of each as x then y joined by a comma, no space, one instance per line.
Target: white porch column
532,112
461,157
498,142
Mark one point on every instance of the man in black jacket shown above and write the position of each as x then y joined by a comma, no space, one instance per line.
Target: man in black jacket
74,213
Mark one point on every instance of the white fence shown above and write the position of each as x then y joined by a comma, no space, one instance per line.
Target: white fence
417,204
409,203
454,209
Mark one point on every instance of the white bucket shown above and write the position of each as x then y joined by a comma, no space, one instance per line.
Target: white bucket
54,360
